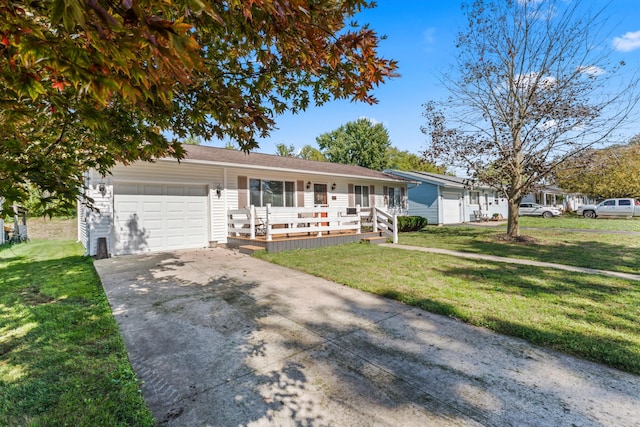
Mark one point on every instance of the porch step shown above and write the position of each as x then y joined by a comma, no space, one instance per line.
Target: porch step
250,249
376,240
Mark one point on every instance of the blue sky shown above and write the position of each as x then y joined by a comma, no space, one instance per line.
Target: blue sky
420,36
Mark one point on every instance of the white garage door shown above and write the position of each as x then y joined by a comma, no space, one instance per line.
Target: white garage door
159,217
451,208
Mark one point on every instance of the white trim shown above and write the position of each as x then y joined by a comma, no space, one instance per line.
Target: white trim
276,169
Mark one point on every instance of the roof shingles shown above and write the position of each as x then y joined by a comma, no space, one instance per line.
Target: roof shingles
227,156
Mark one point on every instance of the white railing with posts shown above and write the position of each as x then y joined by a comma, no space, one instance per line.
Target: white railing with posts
386,223
317,220
273,221
242,222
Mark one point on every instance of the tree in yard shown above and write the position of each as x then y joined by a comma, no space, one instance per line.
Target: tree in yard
285,150
601,174
532,89
309,152
406,161
87,84
361,143
192,140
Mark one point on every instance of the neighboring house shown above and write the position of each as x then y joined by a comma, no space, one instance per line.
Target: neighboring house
445,199
169,205
558,198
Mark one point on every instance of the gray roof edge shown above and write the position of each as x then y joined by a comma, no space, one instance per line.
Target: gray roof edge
423,177
232,157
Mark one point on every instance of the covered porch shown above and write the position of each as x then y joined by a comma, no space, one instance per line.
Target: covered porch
282,228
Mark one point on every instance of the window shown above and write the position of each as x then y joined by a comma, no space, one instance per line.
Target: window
395,197
624,202
362,195
609,203
474,197
277,193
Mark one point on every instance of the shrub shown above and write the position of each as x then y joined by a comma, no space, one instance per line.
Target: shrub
411,223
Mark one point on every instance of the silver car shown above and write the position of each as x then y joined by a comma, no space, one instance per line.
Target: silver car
611,207
534,209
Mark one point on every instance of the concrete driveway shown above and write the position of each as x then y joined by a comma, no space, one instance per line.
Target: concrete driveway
223,339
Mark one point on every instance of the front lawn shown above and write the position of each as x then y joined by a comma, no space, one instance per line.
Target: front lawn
615,252
577,222
590,316
63,361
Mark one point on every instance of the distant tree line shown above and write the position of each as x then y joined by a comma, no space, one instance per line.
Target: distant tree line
361,143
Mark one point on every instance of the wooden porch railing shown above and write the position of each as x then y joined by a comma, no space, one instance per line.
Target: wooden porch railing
273,221
386,223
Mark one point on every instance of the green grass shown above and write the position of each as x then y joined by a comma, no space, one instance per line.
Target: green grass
63,361
577,222
615,252
590,316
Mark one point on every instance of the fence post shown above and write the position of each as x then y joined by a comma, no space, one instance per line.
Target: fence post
266,223
252,222
395,228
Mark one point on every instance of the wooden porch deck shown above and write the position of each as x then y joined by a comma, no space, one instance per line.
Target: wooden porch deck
303,240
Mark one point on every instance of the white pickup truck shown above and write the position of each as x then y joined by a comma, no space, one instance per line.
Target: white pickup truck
611,207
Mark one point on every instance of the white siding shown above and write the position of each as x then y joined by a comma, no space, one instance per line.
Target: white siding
97,221
93,225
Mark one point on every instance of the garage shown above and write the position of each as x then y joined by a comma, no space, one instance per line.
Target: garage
451,208
159,217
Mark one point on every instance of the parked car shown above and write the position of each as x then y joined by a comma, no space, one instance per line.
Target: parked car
611,207
534,209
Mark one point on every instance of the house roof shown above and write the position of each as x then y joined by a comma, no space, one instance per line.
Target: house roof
230,157
434,178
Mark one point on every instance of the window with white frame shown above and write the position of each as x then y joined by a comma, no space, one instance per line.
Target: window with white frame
361,195
395,197
277,193
474,197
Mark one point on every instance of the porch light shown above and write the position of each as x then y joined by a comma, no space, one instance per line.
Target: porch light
333,187
219,190
102,189
308,185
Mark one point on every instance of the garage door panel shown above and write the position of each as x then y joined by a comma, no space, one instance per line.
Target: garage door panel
152,190
451,208
152,224
173,190
177,206
126,189
159,217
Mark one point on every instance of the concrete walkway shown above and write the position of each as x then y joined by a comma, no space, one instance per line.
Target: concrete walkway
223,339
508,260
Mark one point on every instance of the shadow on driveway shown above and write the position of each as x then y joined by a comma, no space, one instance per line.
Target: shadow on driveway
220,339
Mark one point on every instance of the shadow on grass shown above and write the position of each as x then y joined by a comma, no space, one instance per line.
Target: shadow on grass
590,253
583,315
63,358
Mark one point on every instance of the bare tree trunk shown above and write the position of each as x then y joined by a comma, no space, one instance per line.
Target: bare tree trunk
513,226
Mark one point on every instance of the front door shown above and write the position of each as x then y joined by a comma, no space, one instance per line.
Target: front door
320,199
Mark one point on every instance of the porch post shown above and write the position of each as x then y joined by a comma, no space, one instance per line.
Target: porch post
374,218
252,221
266,222
395,228
359,219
